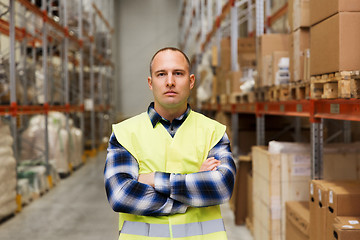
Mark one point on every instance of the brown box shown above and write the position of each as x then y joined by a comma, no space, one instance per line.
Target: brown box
343,200
277,178
266,71
268,43
299,42
297,220
241,191
276,56
273,42
225,54
322,9
319,202
246,45
335,44
247,60
233,82
346,228
299,14
214,56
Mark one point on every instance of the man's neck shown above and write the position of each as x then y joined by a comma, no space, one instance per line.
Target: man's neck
170,113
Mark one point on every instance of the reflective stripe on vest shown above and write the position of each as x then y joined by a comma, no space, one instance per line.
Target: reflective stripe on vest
179,230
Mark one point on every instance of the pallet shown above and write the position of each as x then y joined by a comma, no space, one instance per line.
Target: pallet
299,90
344,84
248,97
262,94
279,93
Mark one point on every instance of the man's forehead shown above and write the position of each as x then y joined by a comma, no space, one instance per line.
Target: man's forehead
174,58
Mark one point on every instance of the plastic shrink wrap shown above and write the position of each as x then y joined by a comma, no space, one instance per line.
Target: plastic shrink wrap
7,173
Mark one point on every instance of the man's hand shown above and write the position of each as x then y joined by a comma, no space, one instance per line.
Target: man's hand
147,178
209,164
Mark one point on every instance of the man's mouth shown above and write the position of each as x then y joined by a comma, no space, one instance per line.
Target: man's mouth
170,93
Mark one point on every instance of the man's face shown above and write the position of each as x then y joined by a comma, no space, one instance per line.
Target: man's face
170,81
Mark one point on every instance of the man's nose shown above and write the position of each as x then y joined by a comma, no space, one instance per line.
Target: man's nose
170,81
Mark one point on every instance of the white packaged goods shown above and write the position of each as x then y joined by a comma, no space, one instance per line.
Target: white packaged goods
65,147
23,188
7,173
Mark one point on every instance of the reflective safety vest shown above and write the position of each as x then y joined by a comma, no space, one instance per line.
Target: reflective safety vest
156,150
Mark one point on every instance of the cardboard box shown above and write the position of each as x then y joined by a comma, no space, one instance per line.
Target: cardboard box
343,200
225,54
299,14
233,82
246,45
322,9
346,228
266,71
214,56
241,203
335,44
247,60
268,43
297,220
277,178
273,42
300,41
319,202
250,206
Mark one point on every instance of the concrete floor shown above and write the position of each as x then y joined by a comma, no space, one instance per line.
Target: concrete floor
77,209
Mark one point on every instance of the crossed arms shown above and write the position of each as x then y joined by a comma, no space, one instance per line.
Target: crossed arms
167,193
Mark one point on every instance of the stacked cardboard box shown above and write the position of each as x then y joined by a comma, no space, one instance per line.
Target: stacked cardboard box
241,201
277,178
328,200
334,36
284,175
270,45
347,228
299,21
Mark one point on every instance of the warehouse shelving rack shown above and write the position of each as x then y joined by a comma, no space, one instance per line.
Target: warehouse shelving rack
314,109
38,29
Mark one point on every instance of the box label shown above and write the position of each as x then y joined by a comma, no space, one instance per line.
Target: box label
331,198
301,159
312,189
301,171
319,193
353,222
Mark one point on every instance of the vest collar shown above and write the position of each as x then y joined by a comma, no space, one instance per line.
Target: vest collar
155,117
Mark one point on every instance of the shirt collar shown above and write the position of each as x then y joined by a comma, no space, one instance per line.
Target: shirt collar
155,117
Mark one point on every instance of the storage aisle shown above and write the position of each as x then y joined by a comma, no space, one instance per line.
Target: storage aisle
77,209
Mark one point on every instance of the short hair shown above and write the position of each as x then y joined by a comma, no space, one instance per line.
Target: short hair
171,49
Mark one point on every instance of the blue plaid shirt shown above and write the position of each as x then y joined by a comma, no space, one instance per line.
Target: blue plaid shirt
173,193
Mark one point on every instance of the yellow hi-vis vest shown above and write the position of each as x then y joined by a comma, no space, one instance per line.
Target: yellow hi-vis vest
156,150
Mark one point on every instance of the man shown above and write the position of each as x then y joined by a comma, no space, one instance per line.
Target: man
168,169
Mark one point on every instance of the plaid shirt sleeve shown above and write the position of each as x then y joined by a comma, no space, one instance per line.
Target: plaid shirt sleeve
202,189
125,194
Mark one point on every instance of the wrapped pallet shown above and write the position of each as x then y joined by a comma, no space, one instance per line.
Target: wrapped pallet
65,147
7,173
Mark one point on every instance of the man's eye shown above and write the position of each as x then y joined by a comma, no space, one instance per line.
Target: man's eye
161,74
179,73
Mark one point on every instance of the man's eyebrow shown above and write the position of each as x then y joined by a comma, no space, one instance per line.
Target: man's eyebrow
161,70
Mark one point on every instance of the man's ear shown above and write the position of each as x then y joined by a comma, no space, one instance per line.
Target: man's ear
150,83
192,81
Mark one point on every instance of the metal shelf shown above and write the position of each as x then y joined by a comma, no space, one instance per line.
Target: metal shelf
338,109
